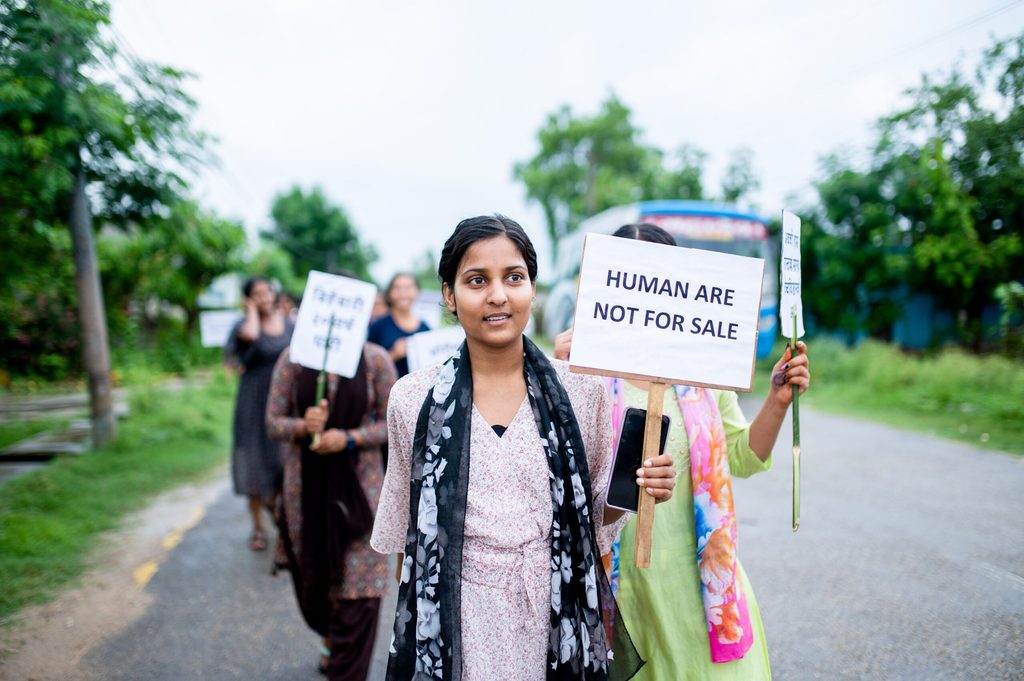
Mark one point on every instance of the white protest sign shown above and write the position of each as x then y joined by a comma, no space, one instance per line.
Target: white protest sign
427,348
215,326
666,313
789,275
350,301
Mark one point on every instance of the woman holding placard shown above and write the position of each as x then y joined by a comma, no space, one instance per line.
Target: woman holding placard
501,576
331,490
391,330
693,614
253,347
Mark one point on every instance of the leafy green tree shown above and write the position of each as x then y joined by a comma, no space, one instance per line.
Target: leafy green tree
274,263
740,179
173,260
317,234
675,176
425,269
85,132
966,178
940,208
70,100
860,266
587,164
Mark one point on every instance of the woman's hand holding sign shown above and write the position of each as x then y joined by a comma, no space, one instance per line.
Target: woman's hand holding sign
658,477
789,371
315,418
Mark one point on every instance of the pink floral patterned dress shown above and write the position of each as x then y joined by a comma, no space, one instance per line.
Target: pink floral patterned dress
366,571
506,577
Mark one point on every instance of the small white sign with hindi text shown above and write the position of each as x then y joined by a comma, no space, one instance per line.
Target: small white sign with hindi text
350,301
666,313
428,348
789,277
215,326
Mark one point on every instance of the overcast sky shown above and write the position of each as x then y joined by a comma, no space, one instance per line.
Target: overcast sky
411,115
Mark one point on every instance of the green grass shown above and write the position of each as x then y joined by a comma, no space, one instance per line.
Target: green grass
51,518
952,394
21,429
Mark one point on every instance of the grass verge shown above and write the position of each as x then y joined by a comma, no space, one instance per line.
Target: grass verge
22,429
952,394
50,518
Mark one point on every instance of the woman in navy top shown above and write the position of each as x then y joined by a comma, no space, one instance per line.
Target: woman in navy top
391,330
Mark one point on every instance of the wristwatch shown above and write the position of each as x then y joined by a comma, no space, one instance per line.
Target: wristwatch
351,446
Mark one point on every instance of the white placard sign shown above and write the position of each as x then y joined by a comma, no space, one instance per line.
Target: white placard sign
215,326
427,348
666,313
789,277
351,302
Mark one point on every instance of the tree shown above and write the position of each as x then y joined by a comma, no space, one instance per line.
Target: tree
677,176
589,163
172,260
129,133
66,133
274,263
860,266
425,269
940,208
317,235
740,180
958,147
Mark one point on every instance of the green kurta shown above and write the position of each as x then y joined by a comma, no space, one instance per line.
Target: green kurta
661,605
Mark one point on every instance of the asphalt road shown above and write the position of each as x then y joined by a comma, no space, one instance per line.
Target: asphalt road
909,561
909,564
217,613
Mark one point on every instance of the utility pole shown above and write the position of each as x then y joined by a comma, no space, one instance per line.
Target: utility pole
91,315
92,318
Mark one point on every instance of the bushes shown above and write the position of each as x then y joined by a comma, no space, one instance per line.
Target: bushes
39,333
978,399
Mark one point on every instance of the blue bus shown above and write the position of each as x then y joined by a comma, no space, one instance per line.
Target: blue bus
693,224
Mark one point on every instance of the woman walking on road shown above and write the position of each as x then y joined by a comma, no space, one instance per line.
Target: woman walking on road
392,329
330,496
501,577
253,346
692,613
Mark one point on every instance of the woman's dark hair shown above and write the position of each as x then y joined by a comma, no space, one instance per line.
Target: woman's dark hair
471,230
396,277
645,231
251,282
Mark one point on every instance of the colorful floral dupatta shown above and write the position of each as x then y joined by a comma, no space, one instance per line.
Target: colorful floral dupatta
725,607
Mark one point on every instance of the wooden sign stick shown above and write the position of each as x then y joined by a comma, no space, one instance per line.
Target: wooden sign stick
652,448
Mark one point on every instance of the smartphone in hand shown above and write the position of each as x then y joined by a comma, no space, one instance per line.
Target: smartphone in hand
623,492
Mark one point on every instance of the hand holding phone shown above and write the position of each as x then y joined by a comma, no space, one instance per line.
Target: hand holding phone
623,492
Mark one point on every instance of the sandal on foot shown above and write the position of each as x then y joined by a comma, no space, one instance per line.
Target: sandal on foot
325,657
257,541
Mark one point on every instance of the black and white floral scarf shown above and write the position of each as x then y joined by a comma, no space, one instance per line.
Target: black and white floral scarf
427,634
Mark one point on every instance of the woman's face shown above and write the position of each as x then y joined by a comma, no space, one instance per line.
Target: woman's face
264,297
492,295
403,293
